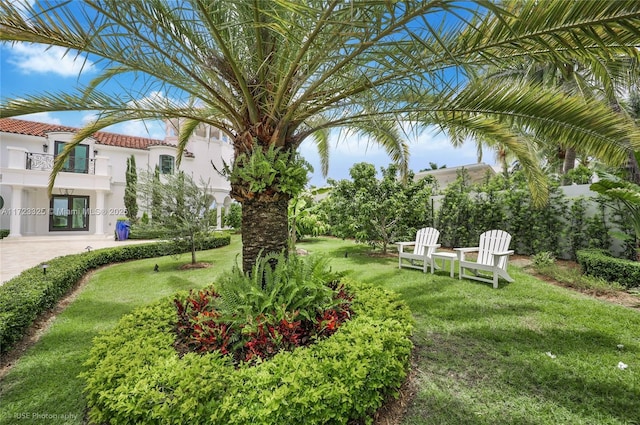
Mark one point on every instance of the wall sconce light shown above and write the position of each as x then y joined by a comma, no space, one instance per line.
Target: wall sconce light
45,147
95,152
44,268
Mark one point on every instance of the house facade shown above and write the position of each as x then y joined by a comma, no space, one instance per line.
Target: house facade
88,195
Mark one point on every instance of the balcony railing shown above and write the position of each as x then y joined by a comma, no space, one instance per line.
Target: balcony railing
44,162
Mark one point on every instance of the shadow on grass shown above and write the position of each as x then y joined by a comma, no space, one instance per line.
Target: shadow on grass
437,300
514,368
457,410
48,375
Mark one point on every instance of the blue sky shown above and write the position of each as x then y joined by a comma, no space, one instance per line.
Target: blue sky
31,69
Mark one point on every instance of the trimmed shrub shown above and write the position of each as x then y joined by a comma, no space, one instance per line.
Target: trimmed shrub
147,232
27,296
599,263
134,374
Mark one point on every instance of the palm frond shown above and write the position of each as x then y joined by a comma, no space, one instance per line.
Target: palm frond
587,125
265,70
321,138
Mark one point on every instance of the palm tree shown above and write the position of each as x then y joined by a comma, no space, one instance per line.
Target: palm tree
606,79
271,74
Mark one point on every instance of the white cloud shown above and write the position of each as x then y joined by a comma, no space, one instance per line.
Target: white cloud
89,117
45,117
37,58
139,128
24,7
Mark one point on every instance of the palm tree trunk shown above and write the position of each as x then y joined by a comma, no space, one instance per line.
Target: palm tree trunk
264,229
569,160
633,168
632,164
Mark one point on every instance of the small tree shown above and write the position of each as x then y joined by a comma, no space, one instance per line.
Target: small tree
131,190
156,198
379,212
185,206
306,217
454,216
233,216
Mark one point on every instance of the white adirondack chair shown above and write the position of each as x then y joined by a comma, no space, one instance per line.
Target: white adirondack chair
493,255
425,244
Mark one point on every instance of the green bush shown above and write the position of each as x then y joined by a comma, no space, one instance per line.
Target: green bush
25,297
141,231
134,374
4,233
598,263
543,259
233,217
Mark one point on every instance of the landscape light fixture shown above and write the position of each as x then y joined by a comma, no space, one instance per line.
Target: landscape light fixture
45,266
89,248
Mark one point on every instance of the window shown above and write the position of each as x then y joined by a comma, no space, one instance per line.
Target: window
77,161
69,213
201,131
166,164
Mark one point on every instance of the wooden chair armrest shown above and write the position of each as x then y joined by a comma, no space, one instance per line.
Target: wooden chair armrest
401,246
502,254
469,249
462,251
405,243
498,255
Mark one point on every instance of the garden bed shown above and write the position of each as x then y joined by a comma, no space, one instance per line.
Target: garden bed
613,295
135,375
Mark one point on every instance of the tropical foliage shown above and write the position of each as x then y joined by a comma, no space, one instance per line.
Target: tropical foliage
627,195
306,216
379,211
236,317
272,74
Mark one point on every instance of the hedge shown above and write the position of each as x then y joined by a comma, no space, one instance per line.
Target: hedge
147,232
599,263
134,374
28,295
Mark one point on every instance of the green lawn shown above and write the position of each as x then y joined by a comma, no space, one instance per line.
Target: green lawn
527,353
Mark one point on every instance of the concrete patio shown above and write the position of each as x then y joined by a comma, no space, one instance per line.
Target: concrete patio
18,254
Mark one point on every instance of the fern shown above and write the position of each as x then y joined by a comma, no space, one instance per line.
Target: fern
277,284
282,304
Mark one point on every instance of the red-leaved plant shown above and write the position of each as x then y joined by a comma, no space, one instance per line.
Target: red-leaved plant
251,319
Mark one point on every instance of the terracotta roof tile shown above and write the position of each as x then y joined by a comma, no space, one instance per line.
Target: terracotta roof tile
32,128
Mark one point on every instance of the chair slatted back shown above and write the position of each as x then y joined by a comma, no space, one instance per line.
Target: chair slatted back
426,236
493,241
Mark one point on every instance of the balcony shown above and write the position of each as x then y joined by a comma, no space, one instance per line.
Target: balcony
33,169
44,162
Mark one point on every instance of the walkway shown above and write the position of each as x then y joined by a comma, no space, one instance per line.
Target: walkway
18,254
